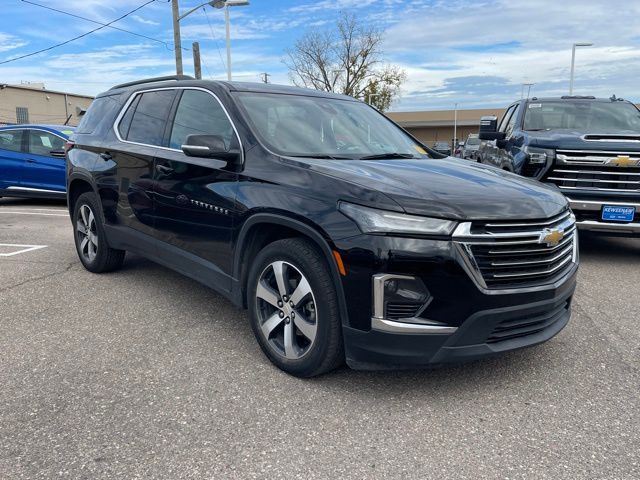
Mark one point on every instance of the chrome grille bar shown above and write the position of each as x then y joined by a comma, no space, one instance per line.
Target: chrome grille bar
513,255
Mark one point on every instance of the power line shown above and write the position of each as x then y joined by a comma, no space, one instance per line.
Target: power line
166,44
213,37
78,37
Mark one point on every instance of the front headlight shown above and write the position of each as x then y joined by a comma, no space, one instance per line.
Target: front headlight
372,220
539,156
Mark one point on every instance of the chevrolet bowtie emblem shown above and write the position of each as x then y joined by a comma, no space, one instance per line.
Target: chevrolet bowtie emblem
551,237
623,161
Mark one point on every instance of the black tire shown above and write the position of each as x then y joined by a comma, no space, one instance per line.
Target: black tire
301,258
103,257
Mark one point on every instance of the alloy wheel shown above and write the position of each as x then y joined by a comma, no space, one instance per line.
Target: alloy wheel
87,233
286,309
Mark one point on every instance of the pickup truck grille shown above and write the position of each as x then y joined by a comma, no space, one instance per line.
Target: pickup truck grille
520,254
593,170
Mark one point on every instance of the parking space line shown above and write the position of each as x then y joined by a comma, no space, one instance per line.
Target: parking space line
16,212
23,249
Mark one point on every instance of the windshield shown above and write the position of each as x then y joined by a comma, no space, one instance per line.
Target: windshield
325,127
473,141
585,116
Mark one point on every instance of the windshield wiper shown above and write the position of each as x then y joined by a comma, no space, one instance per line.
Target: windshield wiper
321,156
381,156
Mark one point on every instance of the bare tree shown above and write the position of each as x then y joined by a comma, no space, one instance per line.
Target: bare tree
346,60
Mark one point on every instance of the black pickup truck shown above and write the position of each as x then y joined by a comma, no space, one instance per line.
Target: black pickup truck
588,147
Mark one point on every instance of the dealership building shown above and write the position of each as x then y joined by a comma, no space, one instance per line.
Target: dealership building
438,125
33,103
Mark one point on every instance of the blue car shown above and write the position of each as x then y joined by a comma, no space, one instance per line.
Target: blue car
32,162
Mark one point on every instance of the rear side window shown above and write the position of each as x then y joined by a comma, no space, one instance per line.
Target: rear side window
199,113
43,143
150,117
102,108
11,140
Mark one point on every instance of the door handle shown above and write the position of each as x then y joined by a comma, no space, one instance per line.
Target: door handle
163,169
30,160
106,156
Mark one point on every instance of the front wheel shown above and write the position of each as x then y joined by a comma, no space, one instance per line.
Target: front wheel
90,239
293,308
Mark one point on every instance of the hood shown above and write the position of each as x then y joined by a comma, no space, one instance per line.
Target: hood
572,139
448,187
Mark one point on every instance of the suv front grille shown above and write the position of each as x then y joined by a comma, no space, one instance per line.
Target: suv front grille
592,170
506,255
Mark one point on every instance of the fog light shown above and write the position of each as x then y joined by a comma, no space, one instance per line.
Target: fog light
398,296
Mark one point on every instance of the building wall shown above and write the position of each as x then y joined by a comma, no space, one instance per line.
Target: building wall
44,106
429,135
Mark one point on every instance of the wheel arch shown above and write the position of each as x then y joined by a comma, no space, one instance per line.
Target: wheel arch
77,186
262,229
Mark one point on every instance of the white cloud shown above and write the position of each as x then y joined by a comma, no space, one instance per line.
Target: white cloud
144,21
10,42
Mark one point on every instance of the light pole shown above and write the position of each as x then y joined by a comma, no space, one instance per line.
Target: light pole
226,4
176,27
528,90
455,127
573,62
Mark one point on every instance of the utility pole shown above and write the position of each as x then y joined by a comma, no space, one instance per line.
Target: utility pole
197,68
265,77
177,43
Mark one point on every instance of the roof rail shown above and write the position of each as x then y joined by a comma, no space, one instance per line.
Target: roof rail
154,79
579,97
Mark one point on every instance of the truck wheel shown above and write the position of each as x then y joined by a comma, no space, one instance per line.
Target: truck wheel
293,308
90,239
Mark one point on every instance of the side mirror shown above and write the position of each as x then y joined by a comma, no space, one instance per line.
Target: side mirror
57,153
211,146
489,129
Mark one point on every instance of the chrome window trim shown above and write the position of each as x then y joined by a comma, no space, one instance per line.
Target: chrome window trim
129,101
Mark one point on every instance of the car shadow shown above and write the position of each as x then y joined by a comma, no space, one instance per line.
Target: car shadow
595,246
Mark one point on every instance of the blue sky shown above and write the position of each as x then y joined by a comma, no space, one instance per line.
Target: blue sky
476,53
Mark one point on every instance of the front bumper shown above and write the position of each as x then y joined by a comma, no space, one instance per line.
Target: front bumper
460,322
483,334
587,212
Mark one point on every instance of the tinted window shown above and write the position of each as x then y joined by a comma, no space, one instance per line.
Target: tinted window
505,119
100,109
125,123
42,143
11,140
199,113
150,117
603,116
512,121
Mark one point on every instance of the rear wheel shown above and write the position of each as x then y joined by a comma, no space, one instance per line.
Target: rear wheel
294,310
90,239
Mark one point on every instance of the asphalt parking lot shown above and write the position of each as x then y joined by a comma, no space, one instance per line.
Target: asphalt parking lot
143,373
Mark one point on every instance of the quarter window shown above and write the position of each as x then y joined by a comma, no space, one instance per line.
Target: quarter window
11,140
150,117
42,143
199,113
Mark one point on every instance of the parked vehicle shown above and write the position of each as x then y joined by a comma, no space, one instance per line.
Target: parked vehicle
589,148
442,147
471,147
327,221
32,160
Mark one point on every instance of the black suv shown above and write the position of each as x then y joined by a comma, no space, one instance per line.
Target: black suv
588,147
338,231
